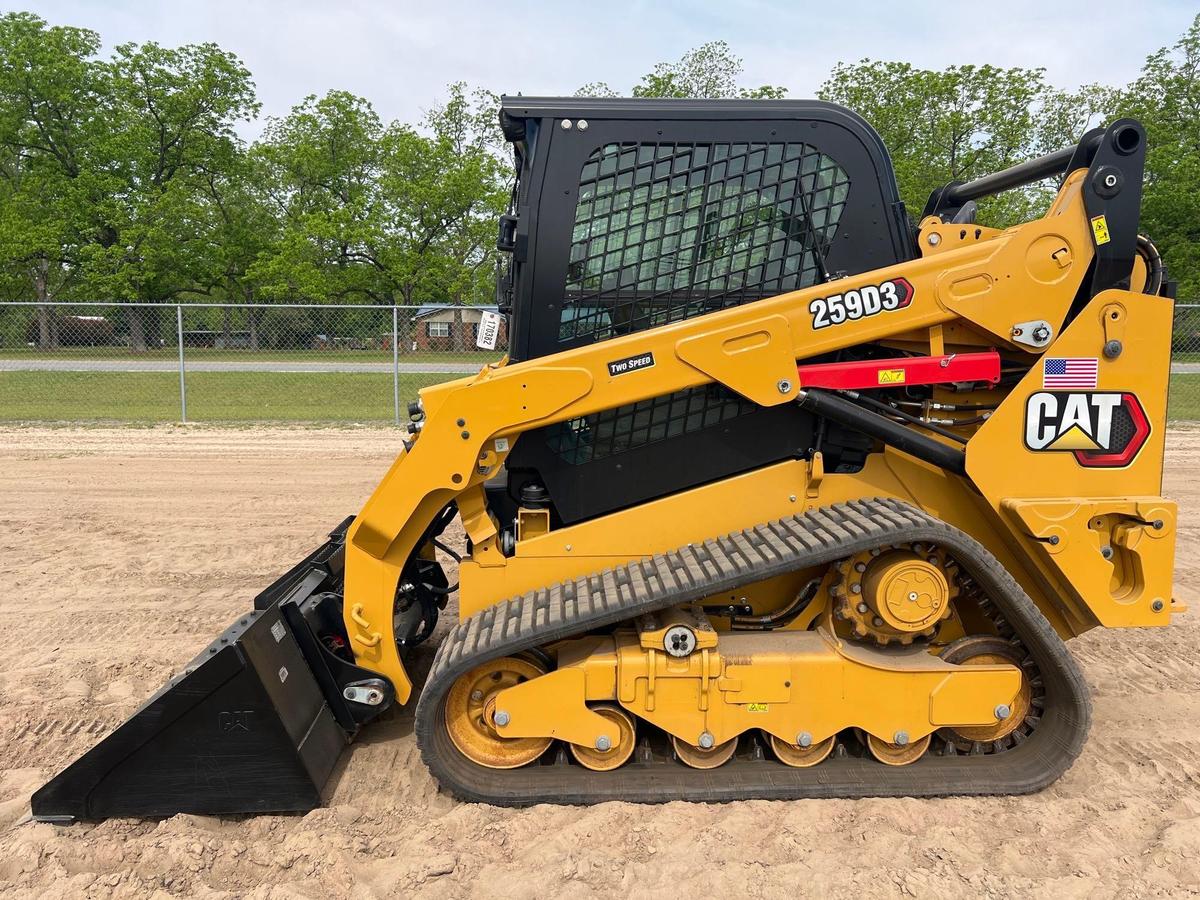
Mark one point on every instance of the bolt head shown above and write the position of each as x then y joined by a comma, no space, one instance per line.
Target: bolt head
862,607
856,588
501,718
912,596
476,696
784,386
935,239
804,739
1110,181
1106,552
900,739
1157,605
1003,712
603,744
860,567
566,125
582,125
706,741
791,498
878,622
348,693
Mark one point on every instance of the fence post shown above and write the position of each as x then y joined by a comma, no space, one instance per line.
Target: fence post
396,362
182,378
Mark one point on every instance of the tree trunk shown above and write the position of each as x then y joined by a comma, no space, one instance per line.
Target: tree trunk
252,318
47,322
45,329
137,329
458,338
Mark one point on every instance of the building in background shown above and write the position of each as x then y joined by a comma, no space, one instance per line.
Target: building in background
433,326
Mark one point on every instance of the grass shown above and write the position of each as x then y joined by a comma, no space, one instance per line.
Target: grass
332,397
1184,402
208,353
143,397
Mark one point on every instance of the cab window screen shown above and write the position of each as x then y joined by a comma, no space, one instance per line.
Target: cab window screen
667,231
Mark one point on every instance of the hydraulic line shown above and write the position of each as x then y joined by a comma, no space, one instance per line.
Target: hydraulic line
779,617
889,409
1155,270
842,411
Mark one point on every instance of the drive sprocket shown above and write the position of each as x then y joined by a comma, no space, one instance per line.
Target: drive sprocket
895,594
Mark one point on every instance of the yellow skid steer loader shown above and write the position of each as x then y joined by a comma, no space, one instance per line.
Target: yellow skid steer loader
774,496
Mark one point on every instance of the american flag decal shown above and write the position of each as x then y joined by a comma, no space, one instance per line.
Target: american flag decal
1078,372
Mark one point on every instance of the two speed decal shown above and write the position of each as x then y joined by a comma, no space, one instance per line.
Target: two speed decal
858,303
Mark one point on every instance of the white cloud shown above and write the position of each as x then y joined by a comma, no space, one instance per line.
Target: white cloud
401,54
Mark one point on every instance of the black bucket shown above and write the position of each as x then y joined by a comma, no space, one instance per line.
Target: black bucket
254,724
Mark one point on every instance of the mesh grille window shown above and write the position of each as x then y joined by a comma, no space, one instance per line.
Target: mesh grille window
668,231
613,431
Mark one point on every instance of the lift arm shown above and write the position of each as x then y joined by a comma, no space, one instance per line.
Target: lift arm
995,283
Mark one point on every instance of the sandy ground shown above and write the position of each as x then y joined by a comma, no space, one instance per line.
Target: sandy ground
123,552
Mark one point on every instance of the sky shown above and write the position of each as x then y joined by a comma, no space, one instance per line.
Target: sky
401,54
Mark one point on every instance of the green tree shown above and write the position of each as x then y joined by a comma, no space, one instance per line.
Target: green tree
320,167
171,115
955,124
1064,116
1166,98
446,189
50,98
246,230
708,71
383,214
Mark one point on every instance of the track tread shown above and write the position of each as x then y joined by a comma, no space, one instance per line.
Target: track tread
700,569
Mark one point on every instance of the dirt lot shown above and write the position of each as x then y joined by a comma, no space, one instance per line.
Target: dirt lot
123,552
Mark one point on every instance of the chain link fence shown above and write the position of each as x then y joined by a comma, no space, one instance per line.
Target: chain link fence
144,363
203,362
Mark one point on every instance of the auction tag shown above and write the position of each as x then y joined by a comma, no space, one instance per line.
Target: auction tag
489,331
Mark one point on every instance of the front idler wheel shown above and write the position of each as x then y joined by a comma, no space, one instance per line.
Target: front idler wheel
471,715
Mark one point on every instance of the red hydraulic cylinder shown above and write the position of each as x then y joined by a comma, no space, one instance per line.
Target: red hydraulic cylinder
901,371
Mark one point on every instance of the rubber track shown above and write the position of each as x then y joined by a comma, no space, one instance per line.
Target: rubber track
700,570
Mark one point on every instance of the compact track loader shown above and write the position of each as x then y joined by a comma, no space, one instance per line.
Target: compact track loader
775,495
